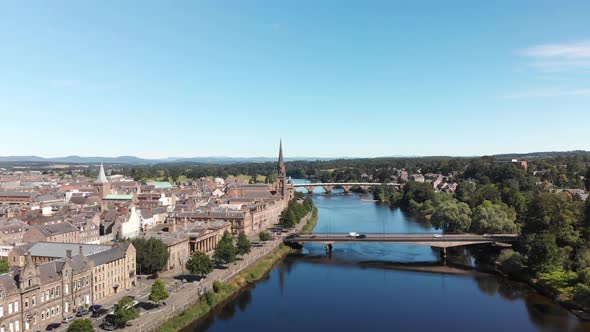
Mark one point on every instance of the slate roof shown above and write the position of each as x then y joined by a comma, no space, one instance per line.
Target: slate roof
55,229
55,249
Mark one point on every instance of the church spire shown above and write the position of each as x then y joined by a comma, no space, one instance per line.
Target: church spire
102,178
282,169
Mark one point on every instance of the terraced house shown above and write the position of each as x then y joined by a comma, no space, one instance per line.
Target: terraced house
35,295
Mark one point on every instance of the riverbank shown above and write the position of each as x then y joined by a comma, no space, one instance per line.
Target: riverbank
222,293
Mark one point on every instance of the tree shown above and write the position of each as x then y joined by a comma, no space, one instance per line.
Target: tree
199,264
543,255
491,218
125,311
452,216
225,252
158,292
264,236
3,265
243,245
81,325
151,254
487,192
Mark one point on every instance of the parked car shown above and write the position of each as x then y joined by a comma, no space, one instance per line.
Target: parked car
487,235
361,236
52,326
437,235
82,313
99,312
95,307
292,236
353,234
68,319
313,236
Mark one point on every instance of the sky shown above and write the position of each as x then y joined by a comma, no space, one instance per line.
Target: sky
331,78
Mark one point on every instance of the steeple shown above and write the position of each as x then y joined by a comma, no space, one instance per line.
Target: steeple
282,169
102,178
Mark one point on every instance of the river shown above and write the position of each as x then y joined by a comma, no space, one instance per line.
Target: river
382,287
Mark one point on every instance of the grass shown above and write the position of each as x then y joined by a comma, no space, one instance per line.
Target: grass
222,291
313,221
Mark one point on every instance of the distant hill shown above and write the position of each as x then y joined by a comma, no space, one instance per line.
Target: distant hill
232,160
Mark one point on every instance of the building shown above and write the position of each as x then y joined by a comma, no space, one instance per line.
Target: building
61,232
35,295
102,185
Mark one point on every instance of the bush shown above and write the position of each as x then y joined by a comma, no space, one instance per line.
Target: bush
512,263
582,295
264,236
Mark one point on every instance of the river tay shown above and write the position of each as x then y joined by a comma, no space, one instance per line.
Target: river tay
382,287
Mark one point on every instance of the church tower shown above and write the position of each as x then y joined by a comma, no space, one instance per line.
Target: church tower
102,185
282,174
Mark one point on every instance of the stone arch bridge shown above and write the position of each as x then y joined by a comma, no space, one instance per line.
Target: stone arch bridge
346,186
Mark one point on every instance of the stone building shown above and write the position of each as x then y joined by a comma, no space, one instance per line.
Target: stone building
35,295
62,232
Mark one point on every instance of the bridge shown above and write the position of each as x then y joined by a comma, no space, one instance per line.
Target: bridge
328,187
433,240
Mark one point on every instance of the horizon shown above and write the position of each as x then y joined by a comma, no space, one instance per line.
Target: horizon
335,80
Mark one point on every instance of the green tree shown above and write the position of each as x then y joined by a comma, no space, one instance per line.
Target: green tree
158,292
225,252
264,236
81,325
3,265
243,245
487,192
491,218
452,217
543,254
125,311
151,254
512,263
199,264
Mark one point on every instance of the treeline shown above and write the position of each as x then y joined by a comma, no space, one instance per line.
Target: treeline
561,170
502,198
295,211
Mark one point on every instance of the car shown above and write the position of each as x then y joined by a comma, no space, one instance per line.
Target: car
437,235
95,307
487,235
52,326
361,236
353,234
313,236
68,319
291,236
99,312
108,327
153,276
82,313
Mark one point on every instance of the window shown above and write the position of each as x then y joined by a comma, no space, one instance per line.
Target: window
1,311
33,300
11,327
66,289
52,311
15,306
16,325
57,291
10,308
42,316
26,303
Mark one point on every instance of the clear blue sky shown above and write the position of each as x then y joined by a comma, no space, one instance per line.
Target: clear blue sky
332,78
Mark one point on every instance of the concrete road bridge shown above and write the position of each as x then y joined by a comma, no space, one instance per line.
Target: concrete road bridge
346,186
433,240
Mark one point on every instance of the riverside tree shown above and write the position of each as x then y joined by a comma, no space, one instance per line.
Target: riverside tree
152,254
264,236
243,245
452,216
225,252
158,292
199,264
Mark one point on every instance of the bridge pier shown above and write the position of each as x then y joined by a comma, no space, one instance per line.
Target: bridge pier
329,248
443,255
